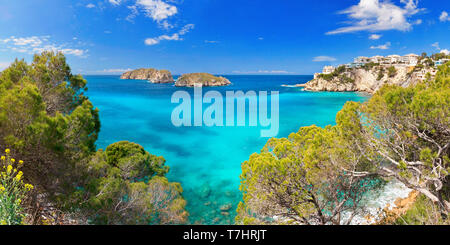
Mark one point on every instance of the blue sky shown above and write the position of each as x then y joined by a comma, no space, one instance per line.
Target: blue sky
220,36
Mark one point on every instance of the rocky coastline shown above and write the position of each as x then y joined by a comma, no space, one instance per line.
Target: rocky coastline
366,80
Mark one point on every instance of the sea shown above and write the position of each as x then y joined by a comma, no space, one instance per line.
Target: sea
206,160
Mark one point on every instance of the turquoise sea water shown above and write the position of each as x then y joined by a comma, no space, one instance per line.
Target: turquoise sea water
205,160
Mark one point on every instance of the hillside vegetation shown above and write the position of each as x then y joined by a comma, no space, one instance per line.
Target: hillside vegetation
318,175
48,123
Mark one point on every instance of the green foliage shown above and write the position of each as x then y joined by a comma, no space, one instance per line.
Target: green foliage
317,174
327,77
423,212
48,122
338,71
409,128
135,160
392,72
311,177
380,74
46,119
439,56
419,67
370,65
13,191
126,185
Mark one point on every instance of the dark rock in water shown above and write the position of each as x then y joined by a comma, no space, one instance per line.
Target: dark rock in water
226,207
229,193
201,80
205,191
152,75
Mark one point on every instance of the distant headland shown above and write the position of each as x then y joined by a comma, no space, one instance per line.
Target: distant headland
370,74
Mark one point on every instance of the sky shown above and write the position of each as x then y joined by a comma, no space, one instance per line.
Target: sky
220,36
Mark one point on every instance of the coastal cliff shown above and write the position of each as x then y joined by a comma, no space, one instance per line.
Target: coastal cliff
201,79
152,75
367,79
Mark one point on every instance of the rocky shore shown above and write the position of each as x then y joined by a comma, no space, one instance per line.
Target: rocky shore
366,80
201,80
150,74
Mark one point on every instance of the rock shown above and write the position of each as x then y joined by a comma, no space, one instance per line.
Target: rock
225,213
201,80
390,214
362,80
152,75
205,191
225,207
207,203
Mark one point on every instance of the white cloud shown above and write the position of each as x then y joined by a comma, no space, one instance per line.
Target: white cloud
444,17
152,41
436,45
324,59
208,41
157,9
38,44
186,29
260,38
115,2
374,37
173,37
90,5
133,14
379,15
384,46
166,25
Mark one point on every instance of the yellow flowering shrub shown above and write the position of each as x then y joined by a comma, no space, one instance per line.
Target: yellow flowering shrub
12,190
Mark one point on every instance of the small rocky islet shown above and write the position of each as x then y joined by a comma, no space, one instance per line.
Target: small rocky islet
149,74
201,80
186,80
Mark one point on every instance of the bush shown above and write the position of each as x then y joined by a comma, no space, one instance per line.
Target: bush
125,185
392,71
370,65
12,191
423,212
380,75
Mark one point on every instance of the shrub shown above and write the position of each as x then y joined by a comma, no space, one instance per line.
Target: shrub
12,191
423,212
392,71
126,185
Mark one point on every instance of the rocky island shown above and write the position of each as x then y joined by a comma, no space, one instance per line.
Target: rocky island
150,74
201,79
